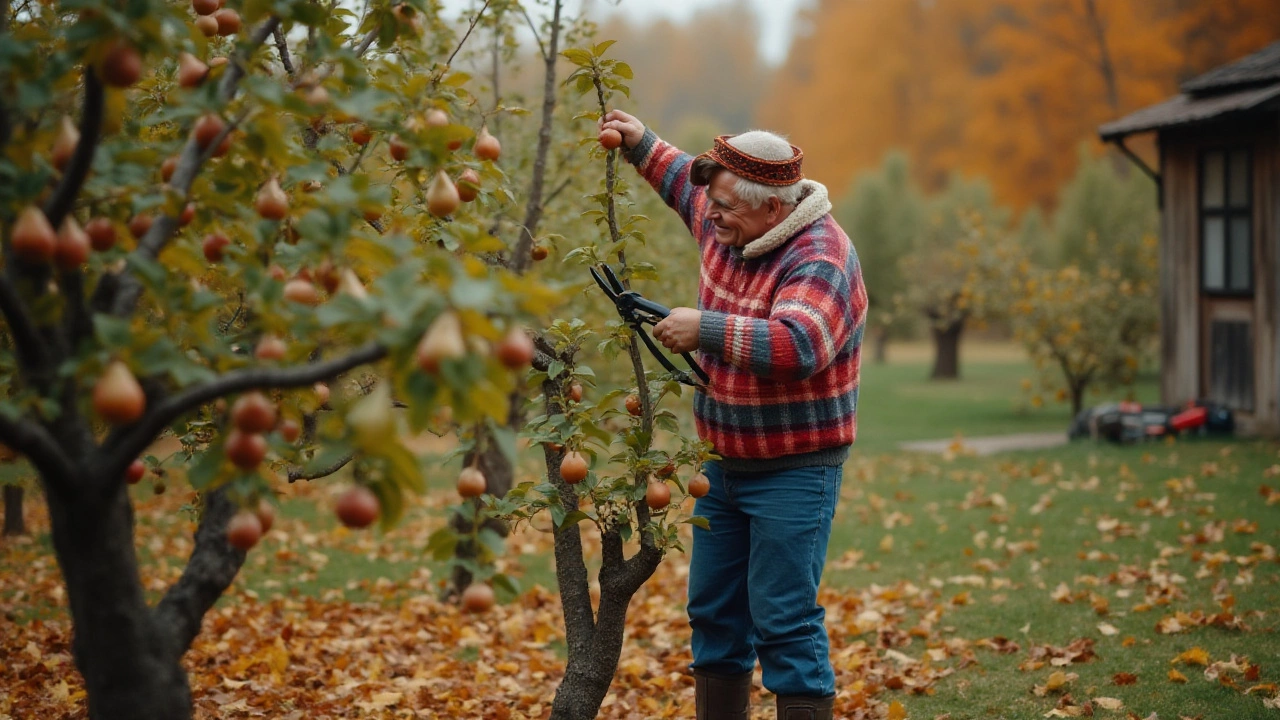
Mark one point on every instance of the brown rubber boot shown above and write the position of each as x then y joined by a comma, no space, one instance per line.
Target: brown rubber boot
799,707
722,697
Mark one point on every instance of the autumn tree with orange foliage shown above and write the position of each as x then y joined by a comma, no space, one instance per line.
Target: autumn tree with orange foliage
1002,89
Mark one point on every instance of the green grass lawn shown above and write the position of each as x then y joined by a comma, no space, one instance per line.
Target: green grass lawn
898,402
1110,525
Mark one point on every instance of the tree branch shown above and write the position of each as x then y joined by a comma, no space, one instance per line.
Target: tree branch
189,163
31,348
297,473
282,46
463,41
32,440
129,442
64,197
533,29
533,208
209,572
366,42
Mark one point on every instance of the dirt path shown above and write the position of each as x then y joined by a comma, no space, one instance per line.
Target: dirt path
988,445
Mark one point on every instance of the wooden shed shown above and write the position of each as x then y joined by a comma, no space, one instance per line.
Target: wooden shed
1219,183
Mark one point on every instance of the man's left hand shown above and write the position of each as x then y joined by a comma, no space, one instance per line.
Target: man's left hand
678,332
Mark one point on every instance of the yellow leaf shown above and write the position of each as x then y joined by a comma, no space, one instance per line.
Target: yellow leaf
1058,680
897,711
1175,676
1194,656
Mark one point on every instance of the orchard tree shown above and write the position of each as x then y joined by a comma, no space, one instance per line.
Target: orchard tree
959,268
1091,321
629,485
211,217
885,215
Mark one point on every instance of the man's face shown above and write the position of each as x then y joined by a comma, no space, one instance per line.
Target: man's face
736,222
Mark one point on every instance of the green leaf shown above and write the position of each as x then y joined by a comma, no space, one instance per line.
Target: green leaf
572,518
204,471
578,57
622,69
111,331
699,521
442,543
600,48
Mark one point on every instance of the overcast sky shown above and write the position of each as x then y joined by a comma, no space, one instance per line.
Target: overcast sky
775,15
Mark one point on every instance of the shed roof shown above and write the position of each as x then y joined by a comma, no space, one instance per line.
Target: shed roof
1249,83
1187,109
1260,68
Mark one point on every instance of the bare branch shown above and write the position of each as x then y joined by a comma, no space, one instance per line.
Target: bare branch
64,197
463,41
556,192
534,207
6,123
32,440
282,46
297,473
542,49
131,441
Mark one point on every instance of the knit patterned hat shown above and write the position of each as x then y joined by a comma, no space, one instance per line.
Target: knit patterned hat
766,172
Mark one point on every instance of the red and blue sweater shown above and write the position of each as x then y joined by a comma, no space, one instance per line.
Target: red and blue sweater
781,329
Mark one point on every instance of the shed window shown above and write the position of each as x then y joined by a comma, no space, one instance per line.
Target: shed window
1226,222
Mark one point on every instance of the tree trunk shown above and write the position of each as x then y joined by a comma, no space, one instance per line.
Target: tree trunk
946,343
128,653
1077,397
498,475
129,664
13,520
881,344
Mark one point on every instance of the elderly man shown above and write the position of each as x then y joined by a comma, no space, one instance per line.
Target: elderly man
779,322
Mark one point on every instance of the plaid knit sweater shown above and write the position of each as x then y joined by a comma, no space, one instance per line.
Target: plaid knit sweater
781,327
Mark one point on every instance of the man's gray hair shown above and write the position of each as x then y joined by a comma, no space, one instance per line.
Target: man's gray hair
766,146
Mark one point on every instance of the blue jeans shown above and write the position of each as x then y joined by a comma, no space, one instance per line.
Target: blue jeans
753,579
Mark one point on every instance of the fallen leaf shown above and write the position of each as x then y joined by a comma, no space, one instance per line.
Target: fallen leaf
897,711
1194,656
1175,676
1109,703
1124,678
1108,629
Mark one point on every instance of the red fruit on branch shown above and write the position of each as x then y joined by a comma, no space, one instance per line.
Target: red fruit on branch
658,495
253,413
487,146
213,246
33,238
228,21
117,396
270,347
191,72
516,349
699,485
471,482
64,145
245,450
358,507
102,234
610,139
633,404
244,530
72,248
122,65
573,468
207,129
137,469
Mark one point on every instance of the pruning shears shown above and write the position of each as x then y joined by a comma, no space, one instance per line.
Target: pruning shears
637,311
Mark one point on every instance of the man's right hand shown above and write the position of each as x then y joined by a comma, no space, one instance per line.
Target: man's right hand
632,130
